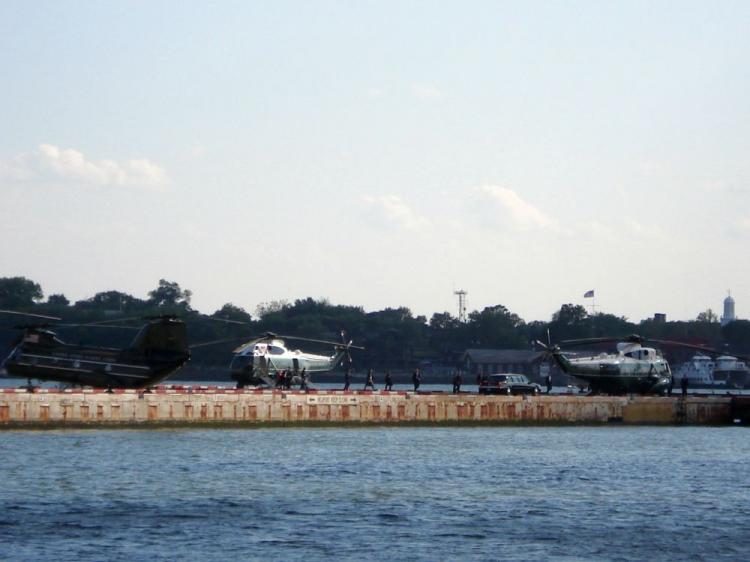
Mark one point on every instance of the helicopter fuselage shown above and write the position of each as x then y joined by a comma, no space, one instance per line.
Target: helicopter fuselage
633,369
256,362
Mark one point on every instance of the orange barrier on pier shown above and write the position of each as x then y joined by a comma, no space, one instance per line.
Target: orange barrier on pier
215,406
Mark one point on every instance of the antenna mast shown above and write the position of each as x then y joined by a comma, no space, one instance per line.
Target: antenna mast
461,304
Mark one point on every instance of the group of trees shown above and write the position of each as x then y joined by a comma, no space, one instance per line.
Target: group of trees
393,338
23,294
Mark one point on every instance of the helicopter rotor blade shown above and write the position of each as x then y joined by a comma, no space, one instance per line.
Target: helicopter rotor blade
42,316
111,321
704,348
593,341
106,326
543,345
313,340
216,342
685,345
225,320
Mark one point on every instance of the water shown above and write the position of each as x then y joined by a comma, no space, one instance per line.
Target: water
608,493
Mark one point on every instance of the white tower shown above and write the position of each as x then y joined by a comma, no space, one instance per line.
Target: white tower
728,315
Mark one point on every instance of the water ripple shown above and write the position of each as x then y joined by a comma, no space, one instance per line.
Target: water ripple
376,493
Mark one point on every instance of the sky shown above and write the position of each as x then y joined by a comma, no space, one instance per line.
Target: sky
381,154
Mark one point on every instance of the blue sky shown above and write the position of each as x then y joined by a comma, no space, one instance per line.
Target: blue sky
380,153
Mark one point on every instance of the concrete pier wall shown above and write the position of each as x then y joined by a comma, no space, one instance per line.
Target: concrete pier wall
255,407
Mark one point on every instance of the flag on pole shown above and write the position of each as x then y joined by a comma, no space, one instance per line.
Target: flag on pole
589,294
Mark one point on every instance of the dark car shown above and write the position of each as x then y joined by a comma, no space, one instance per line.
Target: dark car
508,384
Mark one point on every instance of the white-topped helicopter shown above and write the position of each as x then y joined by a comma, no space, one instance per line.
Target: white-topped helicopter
260,360
634,368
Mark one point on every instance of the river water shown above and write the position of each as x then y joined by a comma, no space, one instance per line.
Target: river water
580,493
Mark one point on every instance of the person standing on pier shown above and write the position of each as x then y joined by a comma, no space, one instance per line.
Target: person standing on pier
370,380
671,385
457,380
347,379
303,380
388,381
684,385
549,384
416,378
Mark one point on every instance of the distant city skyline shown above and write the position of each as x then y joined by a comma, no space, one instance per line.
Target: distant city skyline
380,154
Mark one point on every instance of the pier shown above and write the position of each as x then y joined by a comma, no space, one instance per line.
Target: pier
218,407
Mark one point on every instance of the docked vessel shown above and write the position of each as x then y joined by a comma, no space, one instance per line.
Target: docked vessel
699,372
703,372
730,372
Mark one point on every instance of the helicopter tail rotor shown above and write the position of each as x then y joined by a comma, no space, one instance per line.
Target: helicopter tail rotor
346,348
549,348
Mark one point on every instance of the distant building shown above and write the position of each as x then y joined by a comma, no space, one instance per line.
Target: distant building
728,315
489,361
660,318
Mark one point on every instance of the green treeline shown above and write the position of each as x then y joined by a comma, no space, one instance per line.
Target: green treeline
393,337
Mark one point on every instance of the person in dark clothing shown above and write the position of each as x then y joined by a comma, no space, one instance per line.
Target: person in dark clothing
280,379
684,385
303,380
457,380
388,381
671,385
370,381
479,379
416,378
347,379
549,383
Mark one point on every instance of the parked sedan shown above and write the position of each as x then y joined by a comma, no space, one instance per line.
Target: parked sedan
508,384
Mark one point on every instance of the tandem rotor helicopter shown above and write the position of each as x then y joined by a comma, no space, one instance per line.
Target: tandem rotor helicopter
158,350
634,368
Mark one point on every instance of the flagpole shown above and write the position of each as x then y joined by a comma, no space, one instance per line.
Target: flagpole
592,295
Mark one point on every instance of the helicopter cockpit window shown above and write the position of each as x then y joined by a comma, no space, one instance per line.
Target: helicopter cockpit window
274,350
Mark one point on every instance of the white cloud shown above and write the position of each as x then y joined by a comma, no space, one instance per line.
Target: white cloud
637,228
740,228
727,187
393,210
51,163
427,91
595,230
521,214
198,151
650,167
